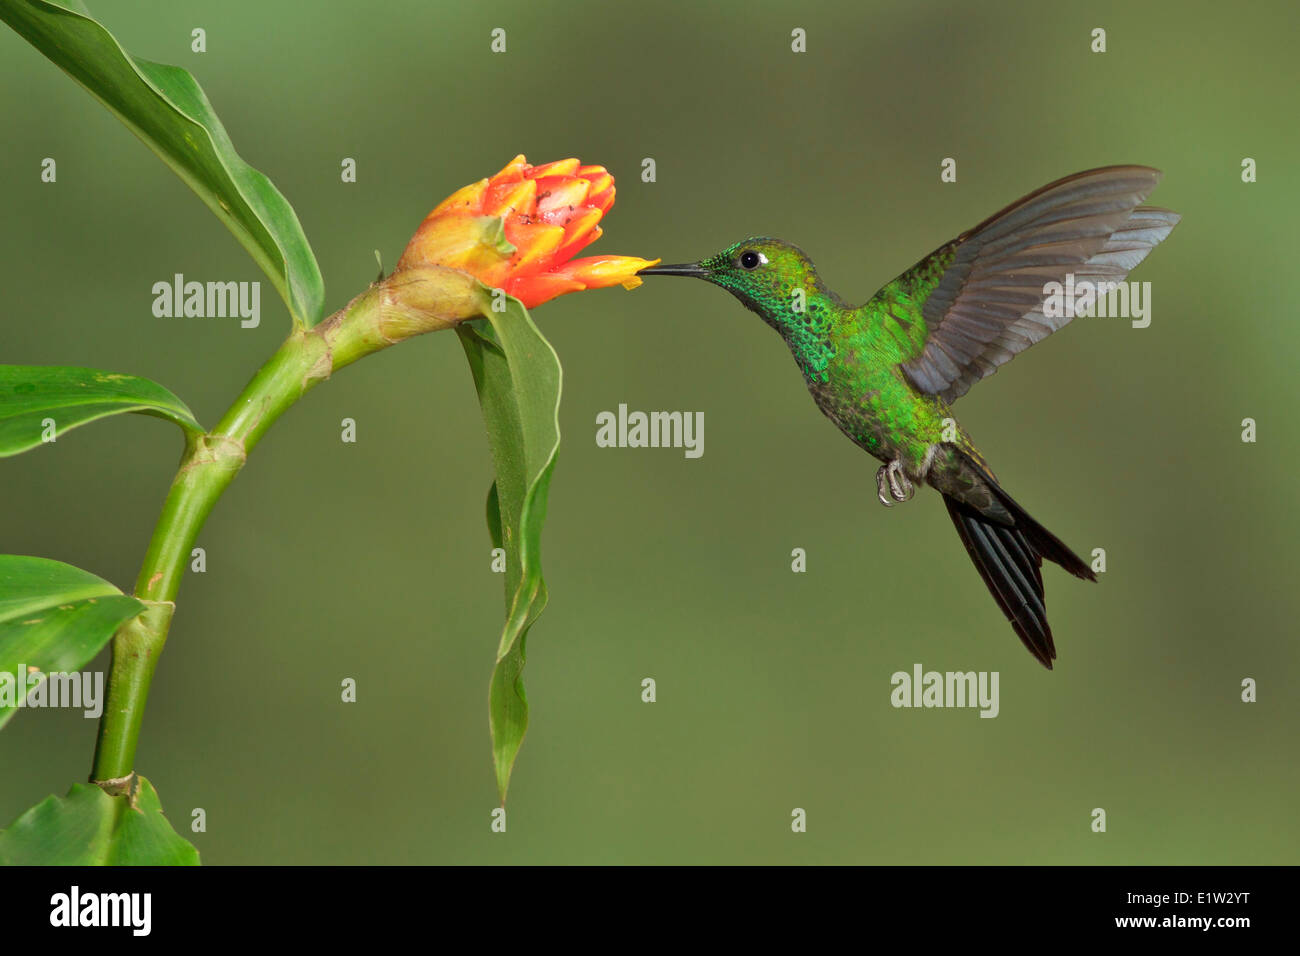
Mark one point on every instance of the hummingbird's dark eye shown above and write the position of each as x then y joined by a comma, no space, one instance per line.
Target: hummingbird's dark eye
749,259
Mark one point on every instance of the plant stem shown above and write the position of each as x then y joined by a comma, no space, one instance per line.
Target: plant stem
208,466
406,304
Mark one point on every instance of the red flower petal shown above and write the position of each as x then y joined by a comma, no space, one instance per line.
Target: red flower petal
559,203
603,199
534,290
581,232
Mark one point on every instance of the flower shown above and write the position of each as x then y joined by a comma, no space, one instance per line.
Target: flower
519,231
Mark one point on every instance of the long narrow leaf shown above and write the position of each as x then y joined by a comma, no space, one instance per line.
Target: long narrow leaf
518,378
166,108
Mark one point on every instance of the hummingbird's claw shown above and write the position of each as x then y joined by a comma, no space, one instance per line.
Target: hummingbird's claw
899,483
892,484
883,490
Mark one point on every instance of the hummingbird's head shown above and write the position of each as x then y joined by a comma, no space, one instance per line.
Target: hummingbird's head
769,276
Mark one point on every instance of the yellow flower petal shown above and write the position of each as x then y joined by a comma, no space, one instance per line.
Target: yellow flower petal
507,198
536,243
513,169
599,181
464,200
472,243
600,271
580,231
561,167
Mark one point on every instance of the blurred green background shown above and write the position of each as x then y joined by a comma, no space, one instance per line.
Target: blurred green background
328,560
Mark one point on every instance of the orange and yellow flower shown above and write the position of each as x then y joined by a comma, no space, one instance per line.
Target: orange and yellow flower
520,230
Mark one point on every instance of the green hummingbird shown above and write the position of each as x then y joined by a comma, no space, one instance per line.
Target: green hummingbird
886,373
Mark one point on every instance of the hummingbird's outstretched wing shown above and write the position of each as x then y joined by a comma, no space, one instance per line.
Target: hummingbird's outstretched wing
987,305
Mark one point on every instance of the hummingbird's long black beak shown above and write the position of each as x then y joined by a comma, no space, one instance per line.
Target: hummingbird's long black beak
681,269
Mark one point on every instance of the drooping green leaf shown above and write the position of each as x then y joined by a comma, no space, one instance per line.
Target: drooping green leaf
33,396
54,618
518,377
166,108
90,828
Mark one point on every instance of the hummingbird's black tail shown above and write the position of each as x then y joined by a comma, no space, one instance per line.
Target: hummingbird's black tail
1009,558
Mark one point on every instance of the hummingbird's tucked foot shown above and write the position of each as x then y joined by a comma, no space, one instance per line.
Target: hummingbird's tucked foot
899,483
882,487
892,479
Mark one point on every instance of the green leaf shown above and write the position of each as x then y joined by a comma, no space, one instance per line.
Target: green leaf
518,378
166,108
33,395
494,516
53,617
90,828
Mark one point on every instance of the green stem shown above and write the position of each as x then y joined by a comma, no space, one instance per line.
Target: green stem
409,303
209,465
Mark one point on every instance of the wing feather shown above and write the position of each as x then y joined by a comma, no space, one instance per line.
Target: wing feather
987,306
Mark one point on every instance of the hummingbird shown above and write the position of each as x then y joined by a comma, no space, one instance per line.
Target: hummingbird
887,372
